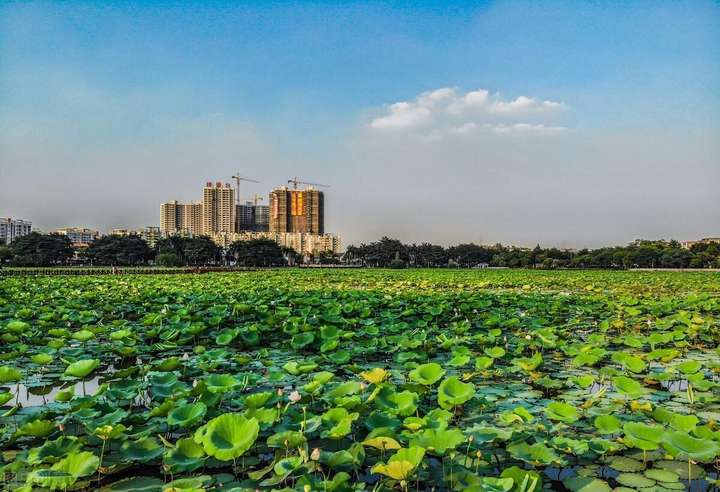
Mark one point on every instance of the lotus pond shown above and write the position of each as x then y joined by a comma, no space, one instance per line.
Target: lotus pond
361,380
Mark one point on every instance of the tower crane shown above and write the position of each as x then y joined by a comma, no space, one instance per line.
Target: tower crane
237,179
295,181
256,199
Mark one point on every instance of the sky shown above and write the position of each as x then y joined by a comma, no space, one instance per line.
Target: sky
571,124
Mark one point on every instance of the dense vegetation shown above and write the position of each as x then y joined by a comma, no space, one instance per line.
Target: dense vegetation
48,250
361,380
639,254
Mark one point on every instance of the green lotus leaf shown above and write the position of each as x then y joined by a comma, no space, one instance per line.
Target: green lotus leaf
402,404
66,472
438,442
16,326
685,423
286,439
413,454
397,470
625,464
529,363
187,415
53,451
629,387
427,374
683,446
660,475
220,383
144,450
689,366
524,480
302,340
37,428
83,335
258,400
9,374
493,484
495,352
228,436
169,364
483,362
5,397
135,484
562,412
186,456
643,436
586,484
536,454
42,359
453,392
607,424
81,368
634,480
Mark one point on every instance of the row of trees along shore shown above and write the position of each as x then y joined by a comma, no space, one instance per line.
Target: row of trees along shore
36,249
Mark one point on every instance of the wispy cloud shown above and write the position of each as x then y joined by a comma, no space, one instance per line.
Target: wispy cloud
446,111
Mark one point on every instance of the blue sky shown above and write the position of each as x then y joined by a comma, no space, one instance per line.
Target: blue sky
301,82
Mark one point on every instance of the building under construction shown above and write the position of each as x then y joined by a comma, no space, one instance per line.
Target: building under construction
293,210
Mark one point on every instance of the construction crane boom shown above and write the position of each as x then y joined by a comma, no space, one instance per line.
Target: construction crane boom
295,181
237,179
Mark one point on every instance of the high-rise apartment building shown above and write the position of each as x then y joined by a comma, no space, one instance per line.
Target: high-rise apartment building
181,218
294,210
11,229
218,208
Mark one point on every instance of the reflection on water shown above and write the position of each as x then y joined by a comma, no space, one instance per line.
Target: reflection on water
42,395
677,385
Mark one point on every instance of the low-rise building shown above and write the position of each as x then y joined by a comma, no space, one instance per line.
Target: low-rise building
80,237
303,243
151,234
705,240
11,229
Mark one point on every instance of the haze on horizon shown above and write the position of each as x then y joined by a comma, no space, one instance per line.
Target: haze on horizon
567,123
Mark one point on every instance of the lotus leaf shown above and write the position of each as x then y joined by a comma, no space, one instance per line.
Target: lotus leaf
453,392
228,436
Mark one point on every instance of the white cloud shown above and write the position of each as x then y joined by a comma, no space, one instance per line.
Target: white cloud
445,111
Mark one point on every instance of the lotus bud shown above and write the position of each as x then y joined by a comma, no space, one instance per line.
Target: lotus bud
185,356
306,488
315,455
471,438
363,386
295,397
280,392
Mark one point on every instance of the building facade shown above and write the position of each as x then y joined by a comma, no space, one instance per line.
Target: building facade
80,237
150,234
218,209
294,210
181,218
303,243
11,229
252,218
705,240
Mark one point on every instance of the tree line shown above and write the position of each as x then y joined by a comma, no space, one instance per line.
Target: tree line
392,253
36,249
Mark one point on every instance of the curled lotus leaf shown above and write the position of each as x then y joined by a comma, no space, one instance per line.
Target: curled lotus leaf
453,392
427,374
228,436
82,368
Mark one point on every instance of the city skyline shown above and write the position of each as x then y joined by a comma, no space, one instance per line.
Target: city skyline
591,125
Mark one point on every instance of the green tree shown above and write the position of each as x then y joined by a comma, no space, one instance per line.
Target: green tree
256,253
37,249
5,254
118,250
168,259
201,250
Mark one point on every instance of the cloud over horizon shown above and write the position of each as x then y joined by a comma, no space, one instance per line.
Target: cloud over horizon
445,111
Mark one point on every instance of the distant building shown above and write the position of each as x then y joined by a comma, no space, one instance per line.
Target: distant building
150,234
303,243
218,209
705,240
294,210
252,218
181,218
80,237
11,229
